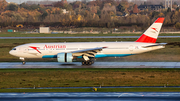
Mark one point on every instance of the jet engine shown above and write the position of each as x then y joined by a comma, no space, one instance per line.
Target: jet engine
64,57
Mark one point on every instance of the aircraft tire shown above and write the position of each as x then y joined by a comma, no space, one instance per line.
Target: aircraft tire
83,62
23,63
92,62
89,62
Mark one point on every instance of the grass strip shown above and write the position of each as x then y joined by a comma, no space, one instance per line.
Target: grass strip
90,69
90,90
87,77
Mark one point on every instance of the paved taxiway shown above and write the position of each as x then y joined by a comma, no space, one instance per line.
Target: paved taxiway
92,96
81,37
95,65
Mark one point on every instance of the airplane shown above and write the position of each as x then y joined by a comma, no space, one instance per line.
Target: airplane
69,52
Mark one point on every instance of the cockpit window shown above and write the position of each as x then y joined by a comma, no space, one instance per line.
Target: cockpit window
14,49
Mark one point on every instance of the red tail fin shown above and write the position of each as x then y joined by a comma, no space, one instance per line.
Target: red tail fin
151,34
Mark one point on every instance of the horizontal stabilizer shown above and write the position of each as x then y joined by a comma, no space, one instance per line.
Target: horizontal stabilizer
160,44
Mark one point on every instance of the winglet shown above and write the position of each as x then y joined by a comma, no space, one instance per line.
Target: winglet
151,34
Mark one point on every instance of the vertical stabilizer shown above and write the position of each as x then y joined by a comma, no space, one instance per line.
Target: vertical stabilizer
151,34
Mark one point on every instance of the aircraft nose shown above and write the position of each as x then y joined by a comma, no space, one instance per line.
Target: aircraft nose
11,52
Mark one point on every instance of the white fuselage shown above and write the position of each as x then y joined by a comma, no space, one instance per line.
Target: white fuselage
68,52
50,50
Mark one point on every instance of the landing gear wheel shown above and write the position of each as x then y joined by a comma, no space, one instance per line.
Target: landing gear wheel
87,62
83,63
24,62
90,63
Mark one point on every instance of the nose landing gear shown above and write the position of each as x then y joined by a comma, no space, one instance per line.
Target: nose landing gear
23,60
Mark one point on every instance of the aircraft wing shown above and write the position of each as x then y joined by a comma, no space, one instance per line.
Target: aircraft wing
160,44
88,52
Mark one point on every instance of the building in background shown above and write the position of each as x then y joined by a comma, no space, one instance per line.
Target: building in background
151,7
44,30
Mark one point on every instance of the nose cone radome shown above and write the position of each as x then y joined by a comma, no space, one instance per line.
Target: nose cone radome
12,52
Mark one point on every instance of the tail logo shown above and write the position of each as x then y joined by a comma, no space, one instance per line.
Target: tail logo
155,29
35,48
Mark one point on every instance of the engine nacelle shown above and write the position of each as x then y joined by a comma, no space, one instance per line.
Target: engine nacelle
64,57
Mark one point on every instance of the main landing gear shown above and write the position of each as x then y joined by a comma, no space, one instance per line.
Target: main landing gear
23,60
89,62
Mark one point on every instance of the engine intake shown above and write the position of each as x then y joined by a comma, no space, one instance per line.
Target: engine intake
64,57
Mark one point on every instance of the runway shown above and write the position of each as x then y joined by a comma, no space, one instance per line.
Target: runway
5,65
92,96
81,37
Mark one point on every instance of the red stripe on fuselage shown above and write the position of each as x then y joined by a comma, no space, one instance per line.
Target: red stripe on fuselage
147,39
35,48
159,20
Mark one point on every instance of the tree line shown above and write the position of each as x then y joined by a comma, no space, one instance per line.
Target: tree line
99,13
